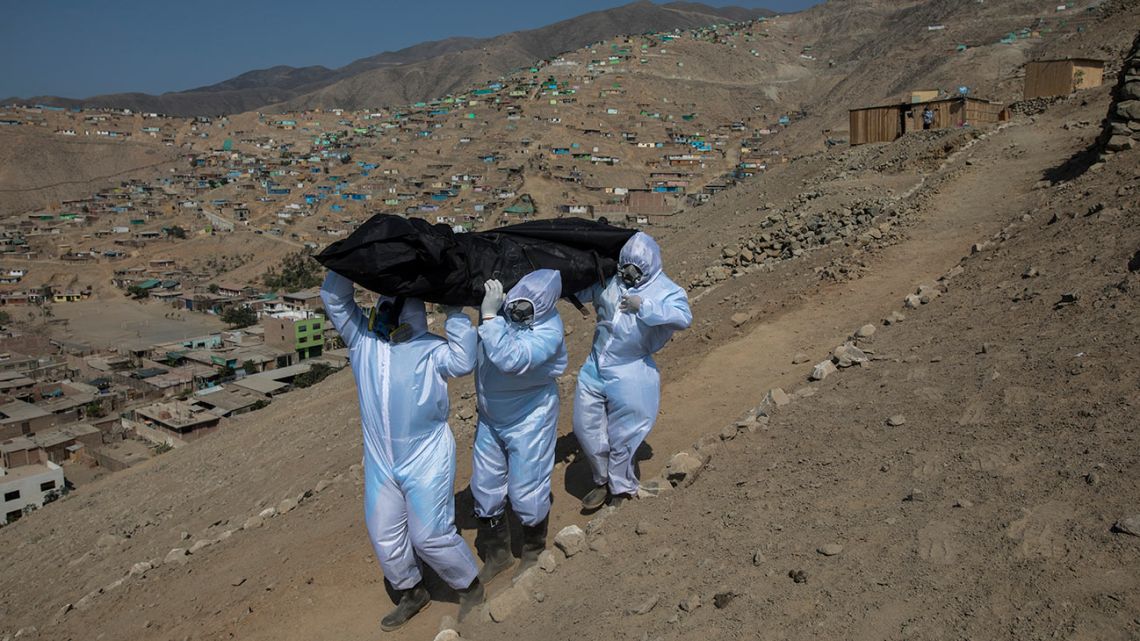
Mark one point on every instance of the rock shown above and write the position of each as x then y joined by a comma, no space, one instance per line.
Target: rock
253,522
322,485
645,607
963,503
1128,525
571,540
547,562
1120,143
847,355
823,370
690,603
895,317
200,545
740,318
800,358
268,513
927,294
799,576
897,420
830,549
643,527
447,635
758,558
177,556
915,495
140,568
286,506
1129,109
683,468
911,301
722,599
866,331
728,432
185,536
777,398
539,596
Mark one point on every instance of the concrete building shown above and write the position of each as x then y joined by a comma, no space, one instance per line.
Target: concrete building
178,419
18,418
28,486
301,333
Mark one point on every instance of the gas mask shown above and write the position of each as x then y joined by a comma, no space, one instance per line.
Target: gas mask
630,275
520,312
384,320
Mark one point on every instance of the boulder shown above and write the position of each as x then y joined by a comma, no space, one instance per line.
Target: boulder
823,370
683,468
571,540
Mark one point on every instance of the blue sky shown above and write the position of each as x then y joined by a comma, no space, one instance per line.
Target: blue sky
79,48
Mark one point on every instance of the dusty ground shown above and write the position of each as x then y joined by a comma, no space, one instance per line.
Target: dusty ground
1037,440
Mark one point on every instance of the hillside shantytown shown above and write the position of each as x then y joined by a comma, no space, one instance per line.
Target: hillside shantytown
904,408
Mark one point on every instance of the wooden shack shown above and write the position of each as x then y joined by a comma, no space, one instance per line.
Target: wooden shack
885,123
1044,78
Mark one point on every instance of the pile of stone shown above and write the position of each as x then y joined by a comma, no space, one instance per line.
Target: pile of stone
786,235
1034,106
1122,127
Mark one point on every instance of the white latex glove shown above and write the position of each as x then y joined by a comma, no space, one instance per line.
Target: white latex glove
493,298
630,304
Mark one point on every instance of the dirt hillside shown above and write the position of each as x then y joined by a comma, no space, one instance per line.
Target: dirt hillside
962,478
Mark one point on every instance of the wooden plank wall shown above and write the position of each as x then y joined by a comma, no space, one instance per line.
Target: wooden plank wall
1051,78
874,124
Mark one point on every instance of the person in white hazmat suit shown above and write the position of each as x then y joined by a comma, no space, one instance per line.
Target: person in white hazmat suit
619,388
409,450
521,355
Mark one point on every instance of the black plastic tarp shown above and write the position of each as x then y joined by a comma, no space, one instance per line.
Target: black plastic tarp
399,256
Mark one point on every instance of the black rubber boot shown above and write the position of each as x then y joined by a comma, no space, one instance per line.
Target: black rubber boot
596,498
470,598
495,536
411,602
534,542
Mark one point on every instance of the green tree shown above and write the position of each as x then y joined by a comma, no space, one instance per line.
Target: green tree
176,232
295,272
239,316
5,318
317,373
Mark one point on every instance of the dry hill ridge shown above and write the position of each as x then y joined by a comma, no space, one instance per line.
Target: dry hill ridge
421,72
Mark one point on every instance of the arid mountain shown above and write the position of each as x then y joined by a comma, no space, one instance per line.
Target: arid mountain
420,72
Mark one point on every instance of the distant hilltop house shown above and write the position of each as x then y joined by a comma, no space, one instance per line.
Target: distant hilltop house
886,123
1047,78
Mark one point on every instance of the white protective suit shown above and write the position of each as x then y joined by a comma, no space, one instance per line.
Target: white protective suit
518,403
409,450
619,388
